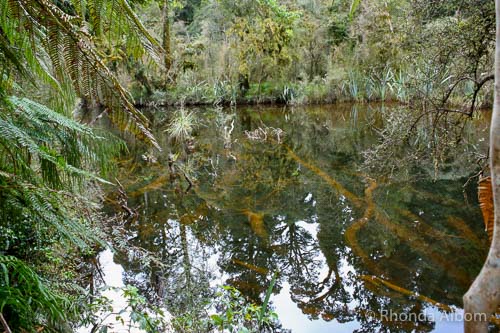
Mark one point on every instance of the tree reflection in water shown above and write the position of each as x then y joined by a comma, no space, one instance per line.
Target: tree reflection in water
350,245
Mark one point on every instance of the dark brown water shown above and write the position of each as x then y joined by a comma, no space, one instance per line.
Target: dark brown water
351,248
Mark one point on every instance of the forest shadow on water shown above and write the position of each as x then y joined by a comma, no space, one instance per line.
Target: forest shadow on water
258,191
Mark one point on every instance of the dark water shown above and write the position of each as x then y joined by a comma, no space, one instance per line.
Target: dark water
351,248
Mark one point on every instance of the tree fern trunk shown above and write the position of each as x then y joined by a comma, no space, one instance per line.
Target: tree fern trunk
483,297
166,40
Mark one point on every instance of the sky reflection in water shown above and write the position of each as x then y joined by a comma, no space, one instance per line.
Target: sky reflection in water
348,245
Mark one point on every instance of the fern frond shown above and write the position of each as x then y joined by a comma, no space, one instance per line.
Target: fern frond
33,110
149,42
72,52
60,144
27,295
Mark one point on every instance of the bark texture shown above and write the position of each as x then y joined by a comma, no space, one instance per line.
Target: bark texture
166,37
483,297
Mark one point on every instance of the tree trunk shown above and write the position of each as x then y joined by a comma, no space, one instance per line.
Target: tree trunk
166,40
483,297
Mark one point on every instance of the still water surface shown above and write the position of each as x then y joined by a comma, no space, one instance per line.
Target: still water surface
283,190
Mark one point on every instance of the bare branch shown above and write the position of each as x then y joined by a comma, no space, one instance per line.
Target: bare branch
4,324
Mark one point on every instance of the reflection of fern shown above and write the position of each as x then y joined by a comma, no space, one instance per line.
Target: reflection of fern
486,203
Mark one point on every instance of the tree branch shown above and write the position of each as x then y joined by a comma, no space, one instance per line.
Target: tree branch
479,85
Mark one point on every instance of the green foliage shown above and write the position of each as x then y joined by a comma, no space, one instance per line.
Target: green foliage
354,7
341,50
233,314
261,41
26,300
138,313
49,163
46,160
182,125
69,54
150,321
432,54
46,157
264,315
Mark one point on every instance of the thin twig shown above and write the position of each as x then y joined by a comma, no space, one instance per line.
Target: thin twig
4,324
479,85
189,182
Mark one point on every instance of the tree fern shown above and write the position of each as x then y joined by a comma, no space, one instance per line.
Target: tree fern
19,283
47,137
72,50
46,158
45,153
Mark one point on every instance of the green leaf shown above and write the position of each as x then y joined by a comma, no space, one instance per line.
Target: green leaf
268,296
354,7
217,320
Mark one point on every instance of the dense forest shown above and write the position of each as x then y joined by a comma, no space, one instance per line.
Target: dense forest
296,52
215,108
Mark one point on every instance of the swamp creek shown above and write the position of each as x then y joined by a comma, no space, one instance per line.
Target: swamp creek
282,189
